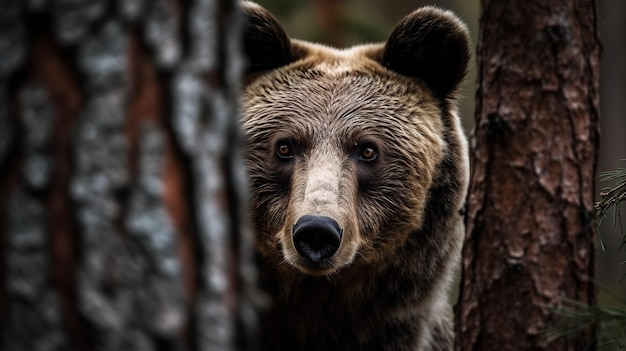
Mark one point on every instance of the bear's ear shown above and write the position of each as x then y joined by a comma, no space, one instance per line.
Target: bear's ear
430,44
266,44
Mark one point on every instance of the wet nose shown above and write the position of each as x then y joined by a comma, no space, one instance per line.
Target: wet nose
316,237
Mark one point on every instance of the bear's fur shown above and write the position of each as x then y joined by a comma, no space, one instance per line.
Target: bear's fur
366,144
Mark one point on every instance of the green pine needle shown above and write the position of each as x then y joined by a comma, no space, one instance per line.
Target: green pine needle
611,199
576,317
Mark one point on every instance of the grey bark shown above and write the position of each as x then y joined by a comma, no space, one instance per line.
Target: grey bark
123,205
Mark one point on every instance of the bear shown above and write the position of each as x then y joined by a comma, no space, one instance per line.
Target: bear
358,171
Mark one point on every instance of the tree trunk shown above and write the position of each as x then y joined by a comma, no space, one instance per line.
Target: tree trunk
122,197
530,221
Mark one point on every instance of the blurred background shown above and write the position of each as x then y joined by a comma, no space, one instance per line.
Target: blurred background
343,23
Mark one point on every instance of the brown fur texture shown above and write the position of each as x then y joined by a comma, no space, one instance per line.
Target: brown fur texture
328,110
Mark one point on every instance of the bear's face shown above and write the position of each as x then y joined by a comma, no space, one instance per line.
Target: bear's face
343,146
349,144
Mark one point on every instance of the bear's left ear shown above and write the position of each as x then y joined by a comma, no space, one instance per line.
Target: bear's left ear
266,43
430,44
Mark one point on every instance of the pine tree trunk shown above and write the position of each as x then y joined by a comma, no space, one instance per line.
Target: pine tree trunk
122,199
530,220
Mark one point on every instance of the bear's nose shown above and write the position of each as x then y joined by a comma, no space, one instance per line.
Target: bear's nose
316,237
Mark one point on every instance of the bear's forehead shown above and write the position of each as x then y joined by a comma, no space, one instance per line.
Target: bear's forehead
325,100
335,87
340,92
327,68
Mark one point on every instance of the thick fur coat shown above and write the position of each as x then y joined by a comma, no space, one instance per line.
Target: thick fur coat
358,169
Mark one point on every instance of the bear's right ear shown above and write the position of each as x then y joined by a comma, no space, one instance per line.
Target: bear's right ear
266,44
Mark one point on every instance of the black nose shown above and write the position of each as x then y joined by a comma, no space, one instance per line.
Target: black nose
316,237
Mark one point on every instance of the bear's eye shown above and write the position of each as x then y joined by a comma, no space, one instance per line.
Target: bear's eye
368,153
284,150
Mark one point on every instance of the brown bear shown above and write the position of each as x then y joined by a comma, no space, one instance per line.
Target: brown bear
358,171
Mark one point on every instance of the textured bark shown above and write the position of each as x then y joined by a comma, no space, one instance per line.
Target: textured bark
530,223
122,195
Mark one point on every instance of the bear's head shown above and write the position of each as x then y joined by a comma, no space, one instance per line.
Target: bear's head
352,152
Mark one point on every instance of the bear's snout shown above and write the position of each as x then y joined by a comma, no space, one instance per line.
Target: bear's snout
316,237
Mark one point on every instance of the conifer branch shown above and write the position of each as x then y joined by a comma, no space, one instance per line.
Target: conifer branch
611,198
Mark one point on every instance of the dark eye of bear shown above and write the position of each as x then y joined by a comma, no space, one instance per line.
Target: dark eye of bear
368,153
284,150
